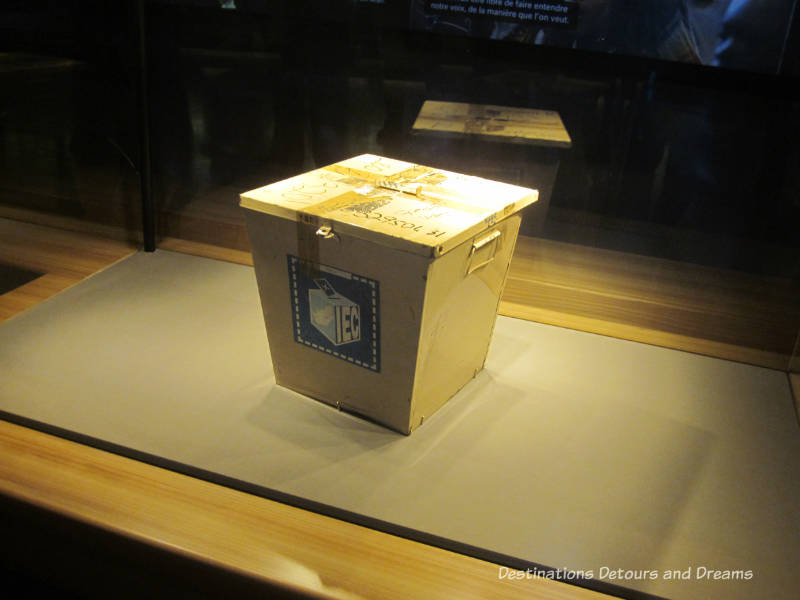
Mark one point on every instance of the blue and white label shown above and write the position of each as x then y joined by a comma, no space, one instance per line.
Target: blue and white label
335,312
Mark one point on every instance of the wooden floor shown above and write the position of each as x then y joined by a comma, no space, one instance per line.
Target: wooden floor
285,548
64,257
225,538
710,311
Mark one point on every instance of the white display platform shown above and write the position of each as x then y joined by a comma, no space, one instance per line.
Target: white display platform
569,450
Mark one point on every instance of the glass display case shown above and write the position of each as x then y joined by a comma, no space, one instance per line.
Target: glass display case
635,420
679,178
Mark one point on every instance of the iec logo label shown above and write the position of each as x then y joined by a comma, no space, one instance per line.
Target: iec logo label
334,316
335,312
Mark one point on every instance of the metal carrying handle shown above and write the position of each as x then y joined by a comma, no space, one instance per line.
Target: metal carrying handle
483,251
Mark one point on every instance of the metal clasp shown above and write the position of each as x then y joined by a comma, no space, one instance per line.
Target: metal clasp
326,232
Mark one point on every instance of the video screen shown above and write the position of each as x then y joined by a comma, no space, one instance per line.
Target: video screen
747,35
736,34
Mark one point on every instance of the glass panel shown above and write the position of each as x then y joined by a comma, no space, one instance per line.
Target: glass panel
69,146
670,219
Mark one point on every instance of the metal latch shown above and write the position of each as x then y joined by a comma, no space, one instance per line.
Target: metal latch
483,251
326,232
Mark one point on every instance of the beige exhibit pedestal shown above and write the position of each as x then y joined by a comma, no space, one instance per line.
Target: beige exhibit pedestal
380,281
570,450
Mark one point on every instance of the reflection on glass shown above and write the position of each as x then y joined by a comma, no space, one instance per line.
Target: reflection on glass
68,129
671,218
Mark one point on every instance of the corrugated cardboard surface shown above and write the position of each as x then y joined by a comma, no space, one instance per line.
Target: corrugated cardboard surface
384,393
408,231
432,327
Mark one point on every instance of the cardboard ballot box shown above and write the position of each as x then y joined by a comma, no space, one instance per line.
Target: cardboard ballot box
521,146
379,281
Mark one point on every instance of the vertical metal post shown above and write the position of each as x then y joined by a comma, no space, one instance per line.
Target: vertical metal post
145,166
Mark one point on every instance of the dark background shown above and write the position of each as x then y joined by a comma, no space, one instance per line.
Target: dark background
681,161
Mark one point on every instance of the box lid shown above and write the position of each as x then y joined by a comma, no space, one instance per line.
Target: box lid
413,208
495,123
